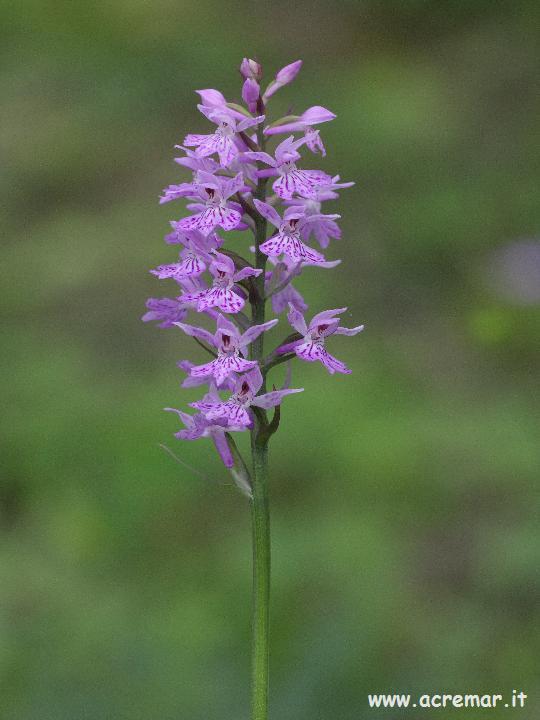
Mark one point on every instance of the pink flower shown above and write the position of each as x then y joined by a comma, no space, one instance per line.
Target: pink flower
194,258
311,348
198,426
222,141
291,179
231,348
235,409
287,240
214,191
224,293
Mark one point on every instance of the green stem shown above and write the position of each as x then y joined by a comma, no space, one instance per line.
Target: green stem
259,505
261,582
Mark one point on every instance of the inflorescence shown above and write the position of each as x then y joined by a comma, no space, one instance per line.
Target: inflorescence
227,192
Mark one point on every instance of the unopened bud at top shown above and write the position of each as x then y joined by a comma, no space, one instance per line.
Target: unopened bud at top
251,69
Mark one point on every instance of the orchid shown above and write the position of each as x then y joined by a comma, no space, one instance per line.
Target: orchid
166,310
291,179
287,241
229,169
235,409
311,347
214,191
222,141
322,226
198,426
224,292
231,348
194,258
191,381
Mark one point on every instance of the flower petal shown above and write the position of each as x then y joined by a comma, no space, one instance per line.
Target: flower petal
273,398
349,331
254,331
296,319
268,212
197,332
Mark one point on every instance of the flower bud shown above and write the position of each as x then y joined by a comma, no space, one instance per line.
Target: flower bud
250,94
283,77
251,69
288,73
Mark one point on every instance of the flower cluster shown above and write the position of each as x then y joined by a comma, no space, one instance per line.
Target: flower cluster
231,170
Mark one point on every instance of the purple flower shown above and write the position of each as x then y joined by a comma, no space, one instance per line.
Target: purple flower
291,179
198,426
325,191
222,294
311,347
166,310
174,192
287,240
231,347
191,381
323,227
224,192
283,77
215,191
235,409
195,162
193,258
222,141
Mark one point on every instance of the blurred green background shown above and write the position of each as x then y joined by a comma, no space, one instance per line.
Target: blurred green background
404,497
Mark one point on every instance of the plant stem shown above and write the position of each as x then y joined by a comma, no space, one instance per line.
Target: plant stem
261,582
259,505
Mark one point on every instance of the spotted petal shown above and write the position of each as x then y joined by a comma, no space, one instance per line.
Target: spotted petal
293,247
273,398
195,140
302,182
190,267
311,352
222,367
223,298
209,218
233,411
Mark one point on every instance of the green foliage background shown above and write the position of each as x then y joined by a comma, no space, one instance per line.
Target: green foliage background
404,497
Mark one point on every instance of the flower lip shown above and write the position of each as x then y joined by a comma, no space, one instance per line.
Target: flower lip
244,395
288,165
